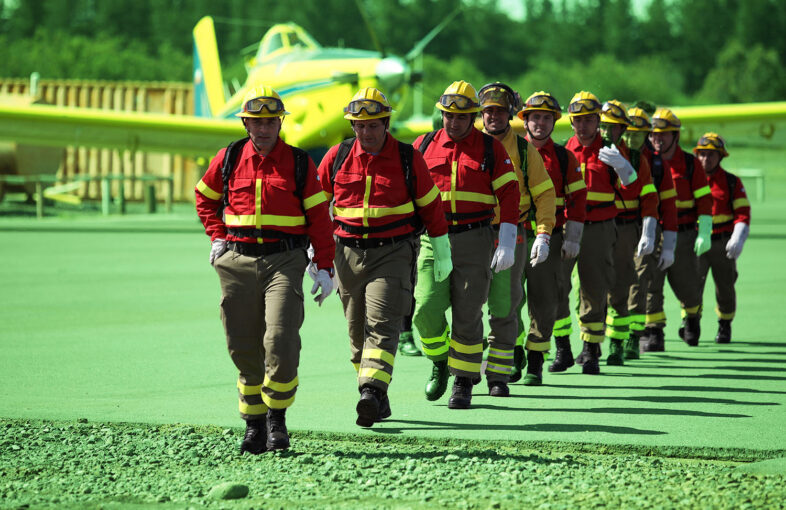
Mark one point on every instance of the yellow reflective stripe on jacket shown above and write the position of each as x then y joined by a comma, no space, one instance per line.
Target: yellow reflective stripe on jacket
575,186
374,373
380,355
466,366
627,205
315,199
559,201
250,220
451,196
722,218
740,202
503,180
540,188
252,409
328,196
208,191
428,197
647,189
466,349
669,193
685,204
373,212
274,403
280,387
249,390
600,197
366,202
467,196
704,190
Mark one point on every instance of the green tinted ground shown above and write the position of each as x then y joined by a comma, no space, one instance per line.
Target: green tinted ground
116,320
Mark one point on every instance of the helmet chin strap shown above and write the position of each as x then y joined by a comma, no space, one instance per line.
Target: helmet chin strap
532,135
499,131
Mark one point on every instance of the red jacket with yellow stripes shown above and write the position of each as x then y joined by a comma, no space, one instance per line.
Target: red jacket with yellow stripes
469,192
600,178
667,195
639,198
728,210
262,196
693,197
571,191
370,190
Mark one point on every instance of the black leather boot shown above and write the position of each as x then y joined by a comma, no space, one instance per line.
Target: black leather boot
691,330
534,375
563,360
277,436
368,406
461,397
519,362
724,332
438,382
255,437
591,365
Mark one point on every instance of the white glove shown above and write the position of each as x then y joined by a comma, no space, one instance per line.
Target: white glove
505,255
612,157
738,237
667,250
217,248
323,281
540,249
647,241
572,241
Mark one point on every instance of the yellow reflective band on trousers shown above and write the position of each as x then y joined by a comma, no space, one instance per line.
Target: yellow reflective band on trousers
591,337
669,193
504,179
428,197
208,191
315,199
435,346
562,327
374,373
704,190
740,202
692,310
618,334
637,322
379,354
274,403
657,317
725,316
618,321
600,197
501,353
575,186
466,366
357,366
499,369
280,387
593,332
249,390
466,349
252,409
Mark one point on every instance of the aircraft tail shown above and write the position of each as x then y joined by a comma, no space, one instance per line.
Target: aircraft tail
208,83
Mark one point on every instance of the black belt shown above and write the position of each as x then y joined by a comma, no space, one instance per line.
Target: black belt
259,250
720,235
373,242
457,229
625,221
686,226
588,222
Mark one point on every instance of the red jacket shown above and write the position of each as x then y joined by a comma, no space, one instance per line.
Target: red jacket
370,191
570,189
728,210
468,192
667,195
262,196
600,178
639,198
693,197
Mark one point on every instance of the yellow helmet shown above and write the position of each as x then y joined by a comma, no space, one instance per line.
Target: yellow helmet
664,120
499,94
613,112
459,97
542,101
260,102
711,142
639,120
369,103
583,103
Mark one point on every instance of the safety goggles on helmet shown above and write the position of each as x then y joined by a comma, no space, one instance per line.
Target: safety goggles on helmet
544,101
661,123
584,106
458,101
495,96
613,112
713,141
369,105
271,104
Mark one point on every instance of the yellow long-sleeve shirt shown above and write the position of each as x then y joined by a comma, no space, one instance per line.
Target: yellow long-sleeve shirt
539,182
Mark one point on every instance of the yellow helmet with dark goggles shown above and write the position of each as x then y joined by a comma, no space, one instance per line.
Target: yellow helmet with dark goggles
613,112
369,103
584,103
711,142
459,97
499,94
639,120
541,101
664,120
261,102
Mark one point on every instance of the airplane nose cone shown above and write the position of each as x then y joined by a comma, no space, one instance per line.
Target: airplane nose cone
391,73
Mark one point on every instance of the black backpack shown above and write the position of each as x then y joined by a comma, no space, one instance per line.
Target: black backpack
488,149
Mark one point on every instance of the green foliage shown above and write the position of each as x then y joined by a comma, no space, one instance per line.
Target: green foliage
745,74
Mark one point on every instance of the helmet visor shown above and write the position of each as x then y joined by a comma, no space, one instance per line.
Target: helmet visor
369,105
272,104
584,106
661,123
711,141
458,101
543,101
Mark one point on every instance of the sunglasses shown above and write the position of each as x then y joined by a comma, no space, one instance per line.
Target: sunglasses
584,105
369,105
457,100
271,104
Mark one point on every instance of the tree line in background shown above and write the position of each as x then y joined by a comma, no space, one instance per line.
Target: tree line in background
676,52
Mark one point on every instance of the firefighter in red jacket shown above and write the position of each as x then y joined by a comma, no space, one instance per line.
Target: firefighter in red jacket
473,173
694,209
731,219
602,166
260,219
637,219
382,194
666,233
552,277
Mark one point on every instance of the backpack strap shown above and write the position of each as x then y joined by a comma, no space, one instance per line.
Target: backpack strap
689,165
562,157
522,144
488,153
341,156
227,167
657,170
426,141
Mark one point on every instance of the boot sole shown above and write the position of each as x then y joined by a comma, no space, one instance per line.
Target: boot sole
615,362
459,404
367,413
533,381
277,446
561,368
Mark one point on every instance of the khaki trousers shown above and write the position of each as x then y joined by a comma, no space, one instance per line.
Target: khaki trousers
596,275
724,274
618,318
262,312
683,278
545,288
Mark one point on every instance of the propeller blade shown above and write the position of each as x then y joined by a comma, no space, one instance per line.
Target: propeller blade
421,45
370,29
